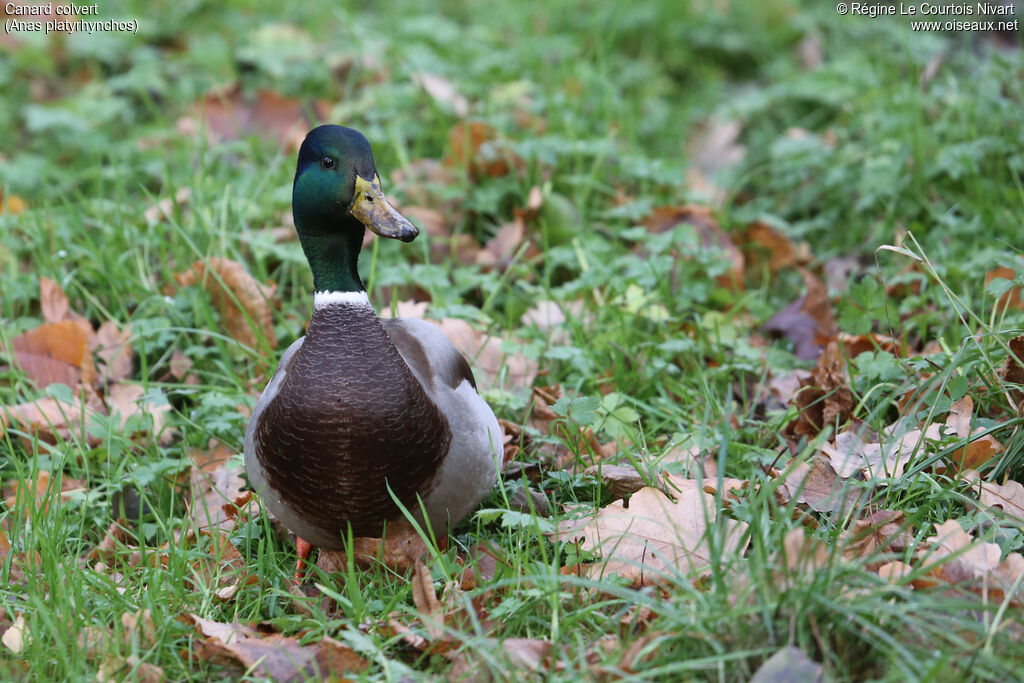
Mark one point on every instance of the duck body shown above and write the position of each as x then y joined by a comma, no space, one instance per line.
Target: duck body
363,411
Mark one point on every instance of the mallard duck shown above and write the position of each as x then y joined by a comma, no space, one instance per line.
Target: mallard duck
362,411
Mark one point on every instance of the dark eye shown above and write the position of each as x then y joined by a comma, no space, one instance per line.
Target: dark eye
327,162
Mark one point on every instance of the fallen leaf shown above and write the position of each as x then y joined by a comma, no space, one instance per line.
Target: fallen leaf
807,322
1008,497
127,400
485,354
55,353
228,113
106,549
894,572
621,480
399,550
824,398
714,145
1012,371
222,570
882,531
789,665
277,657
14,637
52,301
886,459
244,302
53,420
115,353
654,538
957,558
759,240
114,669
817,485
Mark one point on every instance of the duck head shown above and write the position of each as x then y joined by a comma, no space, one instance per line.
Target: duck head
336,194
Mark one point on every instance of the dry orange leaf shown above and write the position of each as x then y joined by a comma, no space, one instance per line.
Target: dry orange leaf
655,538
243,301
55,352
978,450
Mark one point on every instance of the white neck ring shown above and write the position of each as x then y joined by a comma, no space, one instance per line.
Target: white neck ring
325,299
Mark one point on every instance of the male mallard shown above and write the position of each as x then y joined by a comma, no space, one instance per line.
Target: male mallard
363,408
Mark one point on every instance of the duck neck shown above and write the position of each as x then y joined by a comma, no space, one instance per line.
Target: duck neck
333,255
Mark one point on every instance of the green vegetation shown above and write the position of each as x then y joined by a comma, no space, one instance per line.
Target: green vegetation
850,133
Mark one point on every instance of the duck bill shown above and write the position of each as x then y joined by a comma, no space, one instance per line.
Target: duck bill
374,211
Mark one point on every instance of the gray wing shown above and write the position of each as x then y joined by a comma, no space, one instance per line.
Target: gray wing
428,353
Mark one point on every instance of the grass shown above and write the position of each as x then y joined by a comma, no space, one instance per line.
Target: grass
604,106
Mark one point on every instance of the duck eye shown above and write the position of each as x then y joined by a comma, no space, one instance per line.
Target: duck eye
327,162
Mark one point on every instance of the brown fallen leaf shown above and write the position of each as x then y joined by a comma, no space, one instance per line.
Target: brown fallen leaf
522,655
114,352
55,352
275,656
654,538
894,572
14,638
824,398
484,353
53,302
957,558
35,494
817,485
807,322
51,419
228,113
765,247
114,669
980,449
884,459
882,531
622,481
222,569
399,550
244,302
1012,371
106,550
127,400
1008,497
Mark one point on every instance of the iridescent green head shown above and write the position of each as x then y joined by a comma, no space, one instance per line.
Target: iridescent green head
335,195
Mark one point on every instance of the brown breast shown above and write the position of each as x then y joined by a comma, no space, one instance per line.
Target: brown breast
342,429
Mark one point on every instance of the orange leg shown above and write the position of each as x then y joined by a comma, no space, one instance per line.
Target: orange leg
303,548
